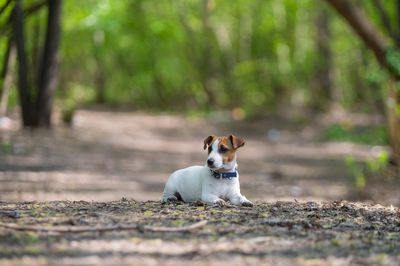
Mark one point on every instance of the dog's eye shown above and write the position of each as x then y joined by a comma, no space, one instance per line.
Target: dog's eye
223,149
209,149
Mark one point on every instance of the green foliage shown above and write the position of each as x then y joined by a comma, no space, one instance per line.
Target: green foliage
180,55
360,170
206,54
6,147
393,57
21,238
378,163
374,135
356,171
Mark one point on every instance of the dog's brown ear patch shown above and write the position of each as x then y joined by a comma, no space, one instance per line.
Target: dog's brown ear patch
236,142
209,140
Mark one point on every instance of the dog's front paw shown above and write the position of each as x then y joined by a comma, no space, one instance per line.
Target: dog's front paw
247,203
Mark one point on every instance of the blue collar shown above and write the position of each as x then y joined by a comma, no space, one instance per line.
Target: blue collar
228,175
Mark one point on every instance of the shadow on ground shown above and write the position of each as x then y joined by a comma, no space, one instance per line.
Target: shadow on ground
109,155
66,178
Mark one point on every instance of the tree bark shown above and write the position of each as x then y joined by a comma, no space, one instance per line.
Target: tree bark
23,85
100,72
6,75
47,80
322,94
37,47
36,111
393,119
207,71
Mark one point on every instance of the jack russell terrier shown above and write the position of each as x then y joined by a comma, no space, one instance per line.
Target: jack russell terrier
213,183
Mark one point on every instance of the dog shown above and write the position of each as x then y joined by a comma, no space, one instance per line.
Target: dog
215,182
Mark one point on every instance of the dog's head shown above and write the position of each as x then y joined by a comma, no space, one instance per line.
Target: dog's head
222,151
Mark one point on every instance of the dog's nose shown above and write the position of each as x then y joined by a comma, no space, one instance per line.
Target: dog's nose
210,162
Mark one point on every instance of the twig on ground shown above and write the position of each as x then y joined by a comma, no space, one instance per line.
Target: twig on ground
105,228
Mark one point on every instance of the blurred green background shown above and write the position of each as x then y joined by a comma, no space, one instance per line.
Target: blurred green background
204,54
293,69
196,56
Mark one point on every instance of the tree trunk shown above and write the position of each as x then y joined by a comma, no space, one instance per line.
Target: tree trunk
6,75
207,71
393,119
23,85
100,83
322,91
100,73
47,79
36,49
376,42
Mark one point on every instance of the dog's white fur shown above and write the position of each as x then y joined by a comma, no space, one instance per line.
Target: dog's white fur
197,183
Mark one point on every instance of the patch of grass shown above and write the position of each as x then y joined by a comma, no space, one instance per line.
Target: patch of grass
148,213
335,243
374,135
6,147
20,238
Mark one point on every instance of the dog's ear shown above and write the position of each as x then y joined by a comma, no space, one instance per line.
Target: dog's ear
208,140
236,142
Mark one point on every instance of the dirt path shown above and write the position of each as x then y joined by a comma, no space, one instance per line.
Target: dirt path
69,176
109,155
281,233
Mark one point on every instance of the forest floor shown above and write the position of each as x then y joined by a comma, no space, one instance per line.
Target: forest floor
279,233
108,171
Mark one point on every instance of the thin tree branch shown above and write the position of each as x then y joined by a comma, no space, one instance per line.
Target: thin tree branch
398,23
27,12
5,6
32,9
385,20
6,75
71,230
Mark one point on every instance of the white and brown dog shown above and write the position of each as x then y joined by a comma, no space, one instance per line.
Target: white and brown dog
213,183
